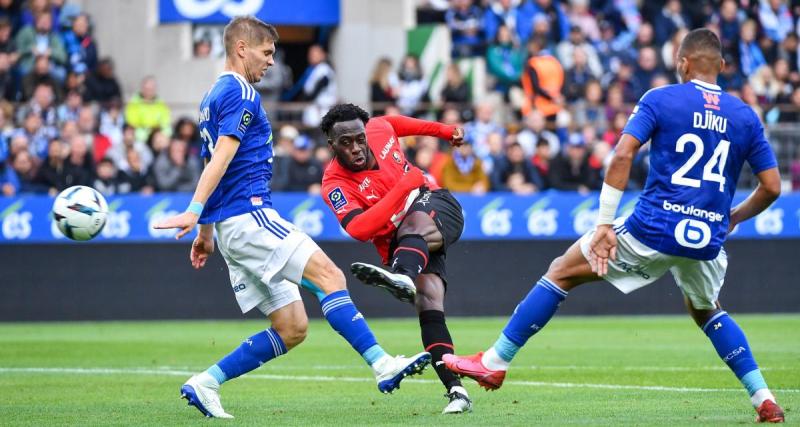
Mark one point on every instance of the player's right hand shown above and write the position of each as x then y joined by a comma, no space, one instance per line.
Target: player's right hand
414,178
201,249
602,248
186,222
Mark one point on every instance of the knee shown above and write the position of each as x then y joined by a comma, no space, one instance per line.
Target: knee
292,334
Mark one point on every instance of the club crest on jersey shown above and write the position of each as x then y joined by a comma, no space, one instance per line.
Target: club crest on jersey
337,199
244,122
396,157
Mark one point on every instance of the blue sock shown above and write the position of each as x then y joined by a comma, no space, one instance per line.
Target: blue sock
731,345
345,319
252,353
529,317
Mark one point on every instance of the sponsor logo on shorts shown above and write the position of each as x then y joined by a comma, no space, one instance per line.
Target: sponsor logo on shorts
337,199
425,199
635,269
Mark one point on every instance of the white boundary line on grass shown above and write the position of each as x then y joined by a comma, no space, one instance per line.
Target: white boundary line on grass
320,378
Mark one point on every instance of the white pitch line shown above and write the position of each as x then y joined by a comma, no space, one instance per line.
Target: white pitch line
320,378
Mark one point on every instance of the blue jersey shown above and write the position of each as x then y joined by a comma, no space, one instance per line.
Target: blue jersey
700,137
233,108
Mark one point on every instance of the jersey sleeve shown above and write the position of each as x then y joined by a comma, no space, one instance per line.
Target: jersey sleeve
339,198
642,121
407,126
236,111
760,156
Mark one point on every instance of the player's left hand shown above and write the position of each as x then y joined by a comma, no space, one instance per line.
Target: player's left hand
202,247
458,137
186,222
602,248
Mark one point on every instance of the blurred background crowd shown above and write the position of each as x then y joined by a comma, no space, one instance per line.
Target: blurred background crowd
561,80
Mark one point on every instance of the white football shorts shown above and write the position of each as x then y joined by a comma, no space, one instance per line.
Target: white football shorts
266,256
638,265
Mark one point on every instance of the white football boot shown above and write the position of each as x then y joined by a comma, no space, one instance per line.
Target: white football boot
390,371
202,392
459,401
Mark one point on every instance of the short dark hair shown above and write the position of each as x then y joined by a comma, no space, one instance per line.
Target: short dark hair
342,113
701,40
249,29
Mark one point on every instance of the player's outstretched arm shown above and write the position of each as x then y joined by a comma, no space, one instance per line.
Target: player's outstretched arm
767,191
407,126
224,151
364,225
604,243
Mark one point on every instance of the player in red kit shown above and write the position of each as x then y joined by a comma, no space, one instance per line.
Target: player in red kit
379,196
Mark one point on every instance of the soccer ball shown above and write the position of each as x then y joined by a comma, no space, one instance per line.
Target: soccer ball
80,212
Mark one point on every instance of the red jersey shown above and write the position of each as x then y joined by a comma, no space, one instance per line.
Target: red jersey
345,191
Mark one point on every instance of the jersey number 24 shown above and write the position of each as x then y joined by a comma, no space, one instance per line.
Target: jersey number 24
717,161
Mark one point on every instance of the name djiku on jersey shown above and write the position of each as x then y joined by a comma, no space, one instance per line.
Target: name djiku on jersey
709,121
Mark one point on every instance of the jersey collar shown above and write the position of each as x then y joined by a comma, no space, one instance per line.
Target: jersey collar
239,76
706,85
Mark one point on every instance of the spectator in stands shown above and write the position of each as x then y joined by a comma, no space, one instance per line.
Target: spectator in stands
323,155
38,136
157,141
34,8
647,67
305,172
80,157
571,171
791,114
505,60
107,181
138,176
669,20
10,11
501,13
465,21
589,108
175,170
614,132
794,170
552,13
577,77
68,111
534,132
43,104
41,40
455,89
577,41
317,85
413,88
119,153
463,172
749,96
277,80
17,143
186,130
202,48
21,177
87,126
146,111
542,80
581,15
479,129
102,85
80,46
383,83
541,161
57,173
7,44
112,121
670,50
775,18
8,85
516,173
728,19
750,55
431,11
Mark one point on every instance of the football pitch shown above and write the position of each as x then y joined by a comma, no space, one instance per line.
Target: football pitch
579,370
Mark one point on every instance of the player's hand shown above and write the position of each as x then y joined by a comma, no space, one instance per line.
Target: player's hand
186,222
202,247
602,248
414,178
458,137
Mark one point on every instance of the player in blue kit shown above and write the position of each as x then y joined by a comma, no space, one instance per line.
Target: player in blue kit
700,137
267,256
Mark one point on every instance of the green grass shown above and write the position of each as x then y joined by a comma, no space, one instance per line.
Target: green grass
550,382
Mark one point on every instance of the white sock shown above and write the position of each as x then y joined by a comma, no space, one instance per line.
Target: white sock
493,361
760,396
459,389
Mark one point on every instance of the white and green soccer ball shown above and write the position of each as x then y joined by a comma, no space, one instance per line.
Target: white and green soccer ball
80,212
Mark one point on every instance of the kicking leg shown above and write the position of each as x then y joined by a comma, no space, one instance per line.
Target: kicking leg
732,347
531,315
289,324
436,339
327,281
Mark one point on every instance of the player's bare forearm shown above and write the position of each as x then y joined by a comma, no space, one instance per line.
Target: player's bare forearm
767,191
620,168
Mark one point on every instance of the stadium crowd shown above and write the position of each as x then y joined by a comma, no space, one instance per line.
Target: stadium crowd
562,79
